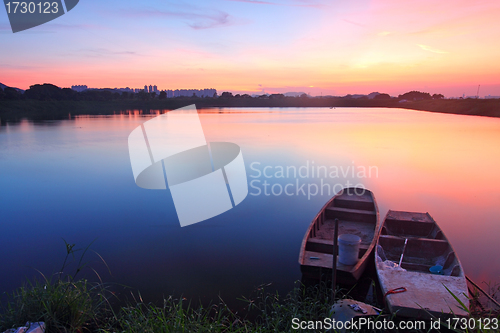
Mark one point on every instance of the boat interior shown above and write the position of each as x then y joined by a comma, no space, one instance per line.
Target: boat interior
356,214
426,245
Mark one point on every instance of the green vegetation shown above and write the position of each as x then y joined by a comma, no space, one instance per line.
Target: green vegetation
481,323
74,310
70,305
62,305
269,313
65,304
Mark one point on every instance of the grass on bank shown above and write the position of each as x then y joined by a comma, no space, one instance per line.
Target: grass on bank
265,312
270,313
81,307
67,304
63,302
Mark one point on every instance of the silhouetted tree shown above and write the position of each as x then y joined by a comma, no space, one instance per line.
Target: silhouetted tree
226,94
163,95
415,95
143,95
44,92
69,94
11,93
437,96
382,97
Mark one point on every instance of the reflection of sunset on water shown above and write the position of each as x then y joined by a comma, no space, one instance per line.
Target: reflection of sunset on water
443,164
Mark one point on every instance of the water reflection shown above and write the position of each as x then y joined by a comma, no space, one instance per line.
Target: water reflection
72,179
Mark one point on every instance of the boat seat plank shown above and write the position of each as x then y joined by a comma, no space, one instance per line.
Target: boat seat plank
364,202
330,242
364,230
358,215
423,240
326,246
352,211
324,260
353,197
409,216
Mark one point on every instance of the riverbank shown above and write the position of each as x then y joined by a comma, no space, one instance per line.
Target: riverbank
81,306
50,110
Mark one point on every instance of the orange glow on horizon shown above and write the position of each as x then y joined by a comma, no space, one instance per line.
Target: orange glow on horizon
384,45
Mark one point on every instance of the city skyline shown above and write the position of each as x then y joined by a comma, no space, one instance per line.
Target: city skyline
257,47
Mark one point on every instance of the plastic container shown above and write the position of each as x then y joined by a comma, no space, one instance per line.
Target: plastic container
348,249
438,269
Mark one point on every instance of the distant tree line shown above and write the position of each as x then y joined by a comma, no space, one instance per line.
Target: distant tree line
50,92
417,95
9,94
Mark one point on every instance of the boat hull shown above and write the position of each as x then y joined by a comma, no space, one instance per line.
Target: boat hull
416,241
357,212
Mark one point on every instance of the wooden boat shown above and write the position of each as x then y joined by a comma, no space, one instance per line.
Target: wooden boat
357,212
424,294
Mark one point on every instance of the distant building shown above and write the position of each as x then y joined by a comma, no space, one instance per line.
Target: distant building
491,97
127,89
191,92
201,93
79,88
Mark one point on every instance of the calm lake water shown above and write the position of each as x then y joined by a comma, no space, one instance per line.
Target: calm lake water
72,180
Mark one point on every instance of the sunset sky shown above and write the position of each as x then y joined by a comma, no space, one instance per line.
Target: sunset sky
313,46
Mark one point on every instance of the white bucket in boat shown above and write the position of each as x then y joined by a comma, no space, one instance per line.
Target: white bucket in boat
348,249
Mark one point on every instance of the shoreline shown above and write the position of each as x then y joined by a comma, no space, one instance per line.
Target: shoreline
53,110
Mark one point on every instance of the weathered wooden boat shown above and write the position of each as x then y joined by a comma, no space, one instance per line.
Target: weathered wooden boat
410,246
357,212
